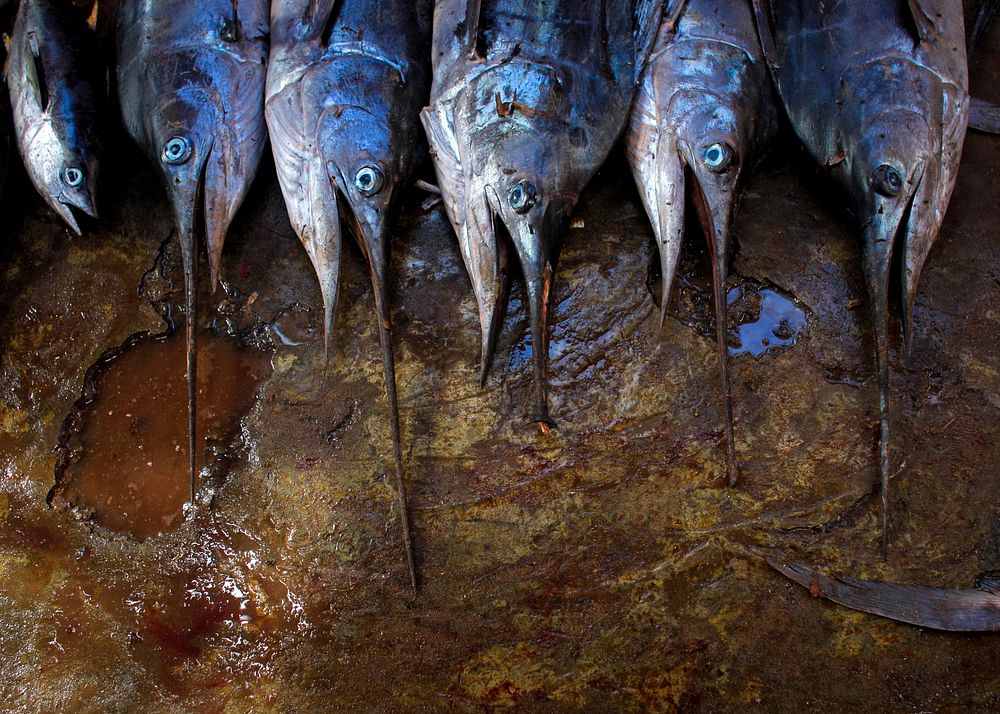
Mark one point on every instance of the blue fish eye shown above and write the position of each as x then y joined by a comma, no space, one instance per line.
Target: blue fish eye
369,180
887,181
522,196
176,151
717,156
72,176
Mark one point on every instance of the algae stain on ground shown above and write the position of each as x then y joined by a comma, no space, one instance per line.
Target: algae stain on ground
123,452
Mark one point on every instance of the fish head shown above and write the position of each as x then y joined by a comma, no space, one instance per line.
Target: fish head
65,172
523,186
181,139
891,161
361,160
710,142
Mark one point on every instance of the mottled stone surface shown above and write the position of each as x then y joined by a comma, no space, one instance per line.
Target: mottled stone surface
601,568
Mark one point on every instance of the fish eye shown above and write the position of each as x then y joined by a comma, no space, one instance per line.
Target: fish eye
522,196
72,176
176,151
369,180
717,156
887,181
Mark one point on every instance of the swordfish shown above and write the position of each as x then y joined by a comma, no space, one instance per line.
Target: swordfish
879,94
345,87
702,118
191,89
528,97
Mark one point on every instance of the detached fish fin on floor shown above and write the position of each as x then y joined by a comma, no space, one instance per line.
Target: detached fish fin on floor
984,116
973,610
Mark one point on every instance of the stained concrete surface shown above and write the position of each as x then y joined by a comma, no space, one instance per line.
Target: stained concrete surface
604,567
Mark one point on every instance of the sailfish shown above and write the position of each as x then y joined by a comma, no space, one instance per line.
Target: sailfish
345,86
879,94
703,117
528,97
191,89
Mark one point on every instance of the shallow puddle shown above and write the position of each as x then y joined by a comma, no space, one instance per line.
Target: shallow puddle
763,320
123,453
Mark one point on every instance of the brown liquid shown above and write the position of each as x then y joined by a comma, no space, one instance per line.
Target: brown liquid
132,468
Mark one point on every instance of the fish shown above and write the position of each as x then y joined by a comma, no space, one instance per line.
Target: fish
57,83
879,95
528,97
191,89
345,85
954,610
704,115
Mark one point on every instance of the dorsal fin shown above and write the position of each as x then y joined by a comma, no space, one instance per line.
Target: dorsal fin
36,72
646,18
984,116
671,12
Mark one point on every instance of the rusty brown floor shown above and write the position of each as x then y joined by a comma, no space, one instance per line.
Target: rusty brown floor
602,568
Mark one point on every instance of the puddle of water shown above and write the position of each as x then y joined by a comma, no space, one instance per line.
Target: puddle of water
123,453
764,320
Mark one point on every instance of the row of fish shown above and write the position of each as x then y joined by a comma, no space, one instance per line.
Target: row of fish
521,101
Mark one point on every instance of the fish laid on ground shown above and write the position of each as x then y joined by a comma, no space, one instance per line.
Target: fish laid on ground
975,610
703,116
527,100
878,92
191,88
345,85
57,83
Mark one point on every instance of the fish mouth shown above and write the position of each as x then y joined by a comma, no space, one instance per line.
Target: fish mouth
890,224
78,211
713,202
530,244
373,244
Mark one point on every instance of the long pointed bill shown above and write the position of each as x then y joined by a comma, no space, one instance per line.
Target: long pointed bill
879,241
186,203
375,249
189,256
532,246
715,217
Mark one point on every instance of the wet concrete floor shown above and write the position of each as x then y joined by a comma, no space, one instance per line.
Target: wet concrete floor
601,568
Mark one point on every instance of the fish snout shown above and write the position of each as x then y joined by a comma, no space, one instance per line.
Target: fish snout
531,219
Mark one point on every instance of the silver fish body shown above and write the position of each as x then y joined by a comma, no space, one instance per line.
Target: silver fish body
345,86
879,94
527,100
56,80
191,89
703,116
